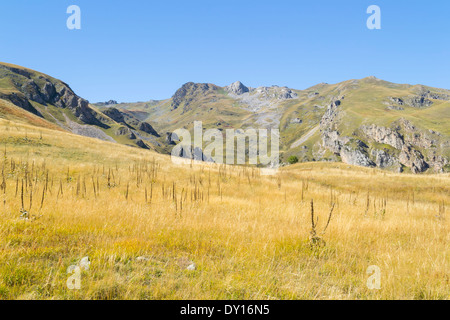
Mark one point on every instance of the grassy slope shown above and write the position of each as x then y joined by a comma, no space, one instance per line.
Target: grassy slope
56,117
10,111
247,234
364,103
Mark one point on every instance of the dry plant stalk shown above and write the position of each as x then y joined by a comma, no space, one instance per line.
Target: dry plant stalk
315,239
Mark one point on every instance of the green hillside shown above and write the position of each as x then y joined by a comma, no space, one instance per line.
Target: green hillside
367,122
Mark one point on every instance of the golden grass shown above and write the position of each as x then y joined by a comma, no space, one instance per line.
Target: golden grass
247,234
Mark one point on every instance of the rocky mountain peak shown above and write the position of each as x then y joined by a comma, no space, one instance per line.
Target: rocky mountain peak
189,91
237,88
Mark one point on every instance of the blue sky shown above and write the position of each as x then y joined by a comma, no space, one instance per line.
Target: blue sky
138,50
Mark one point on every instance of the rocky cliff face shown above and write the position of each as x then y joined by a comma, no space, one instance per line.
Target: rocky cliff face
47,91
56,102
115,114
349,149
413,148
405,144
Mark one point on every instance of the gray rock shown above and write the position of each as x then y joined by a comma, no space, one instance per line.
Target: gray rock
398,108
107,103
122,131
413,159
383,159
355,156
147,128
408,155
418,102
48,91
31,91
237,88
396,100
286,94
169,140
141,144
115,114
189,152
132,135
412,101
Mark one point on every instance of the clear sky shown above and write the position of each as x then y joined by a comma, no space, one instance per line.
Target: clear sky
138,50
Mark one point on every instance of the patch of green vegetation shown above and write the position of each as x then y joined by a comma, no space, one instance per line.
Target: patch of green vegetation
292,159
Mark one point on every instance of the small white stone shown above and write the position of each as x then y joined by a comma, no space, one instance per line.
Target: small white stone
191,267
142,259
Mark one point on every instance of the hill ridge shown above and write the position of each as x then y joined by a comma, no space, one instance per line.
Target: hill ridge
367,122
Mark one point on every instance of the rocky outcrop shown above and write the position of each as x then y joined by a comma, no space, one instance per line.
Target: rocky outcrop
47,91
122,131
412,101
275,92
437,162
141,144
115,114
286,94
415,149
418,102
189,152
398,108
107,103
130,122
398,101
147,128
188,92
237,88
32,92
383,159
409,146
384,135
20,101
356,155
125,131
168,140
352,151
428,94
413,159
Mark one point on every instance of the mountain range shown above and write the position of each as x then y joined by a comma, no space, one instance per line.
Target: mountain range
366,122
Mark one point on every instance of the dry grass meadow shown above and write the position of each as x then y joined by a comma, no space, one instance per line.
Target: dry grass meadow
142,220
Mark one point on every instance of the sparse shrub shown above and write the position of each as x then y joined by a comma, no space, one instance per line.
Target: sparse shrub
292,160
